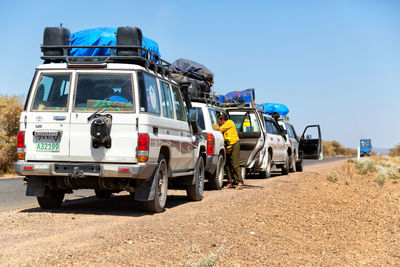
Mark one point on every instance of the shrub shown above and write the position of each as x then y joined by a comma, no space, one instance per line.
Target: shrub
10,110
332,177
364,165
394,152
334,149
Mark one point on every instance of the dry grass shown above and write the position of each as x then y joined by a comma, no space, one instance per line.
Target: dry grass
10,110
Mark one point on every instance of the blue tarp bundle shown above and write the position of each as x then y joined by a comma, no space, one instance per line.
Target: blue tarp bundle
270,108
105,36
244,96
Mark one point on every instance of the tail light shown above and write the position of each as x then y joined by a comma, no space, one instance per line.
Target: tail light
210,144
143,147
21,145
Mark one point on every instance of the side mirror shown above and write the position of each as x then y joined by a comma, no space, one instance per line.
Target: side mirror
195,127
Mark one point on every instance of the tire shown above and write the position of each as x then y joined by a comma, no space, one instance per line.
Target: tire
160,198
243,173
102,194
267,172
195,191
285,167
292,163
217,179
52,199
299,165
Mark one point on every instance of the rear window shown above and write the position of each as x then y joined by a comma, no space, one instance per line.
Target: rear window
52,92
196,114
114,91
245,122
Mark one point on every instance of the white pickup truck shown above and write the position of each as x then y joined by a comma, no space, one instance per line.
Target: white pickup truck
111,124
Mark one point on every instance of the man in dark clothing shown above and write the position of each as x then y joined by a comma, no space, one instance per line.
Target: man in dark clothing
232,166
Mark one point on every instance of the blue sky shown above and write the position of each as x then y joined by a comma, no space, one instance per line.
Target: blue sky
335,63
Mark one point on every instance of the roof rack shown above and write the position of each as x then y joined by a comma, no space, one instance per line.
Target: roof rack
158,65
203,97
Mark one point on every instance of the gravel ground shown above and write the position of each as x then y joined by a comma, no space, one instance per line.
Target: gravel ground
298,219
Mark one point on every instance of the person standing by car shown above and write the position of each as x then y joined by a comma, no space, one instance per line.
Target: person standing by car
232,166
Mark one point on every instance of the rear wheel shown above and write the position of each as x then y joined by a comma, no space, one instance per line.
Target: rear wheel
217,179
243,173
267,172
299,165
285,167
160,198
52,199
292,162
102,194
195,191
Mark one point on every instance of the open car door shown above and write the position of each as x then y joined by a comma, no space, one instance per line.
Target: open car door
310,146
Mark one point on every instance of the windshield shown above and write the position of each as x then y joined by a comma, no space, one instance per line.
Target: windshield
113,91
245,121
52,92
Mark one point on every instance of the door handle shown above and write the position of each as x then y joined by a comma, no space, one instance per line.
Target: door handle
155,130
168,132
60,118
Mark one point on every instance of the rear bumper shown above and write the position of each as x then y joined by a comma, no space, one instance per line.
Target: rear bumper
138,171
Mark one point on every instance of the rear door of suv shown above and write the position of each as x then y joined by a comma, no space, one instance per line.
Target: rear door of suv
107,92
251,134
47,117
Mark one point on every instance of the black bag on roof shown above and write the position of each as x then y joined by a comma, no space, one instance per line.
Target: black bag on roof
192,70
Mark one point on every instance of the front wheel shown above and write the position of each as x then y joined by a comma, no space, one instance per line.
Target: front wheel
195,191
285,167
102,194
299,165
160,198
217,179
52,199
292,163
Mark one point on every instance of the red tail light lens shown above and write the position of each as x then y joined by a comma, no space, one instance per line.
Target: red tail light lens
21,139
143,142
143,147
210,144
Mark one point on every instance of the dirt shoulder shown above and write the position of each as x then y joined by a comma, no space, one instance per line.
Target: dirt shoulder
299,219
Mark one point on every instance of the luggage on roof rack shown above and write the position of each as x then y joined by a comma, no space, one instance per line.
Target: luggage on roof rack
193,70
242,98
129,48
197,89
270,108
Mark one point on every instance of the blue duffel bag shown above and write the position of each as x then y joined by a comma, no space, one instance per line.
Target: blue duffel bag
106,36
245,96
270,108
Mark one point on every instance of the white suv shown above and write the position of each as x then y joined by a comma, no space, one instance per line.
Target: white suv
206,115
262,144
107,126
308,146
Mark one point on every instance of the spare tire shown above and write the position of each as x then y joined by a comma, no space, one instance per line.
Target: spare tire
55,36
129,36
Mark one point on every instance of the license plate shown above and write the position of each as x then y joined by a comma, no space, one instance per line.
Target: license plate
48,147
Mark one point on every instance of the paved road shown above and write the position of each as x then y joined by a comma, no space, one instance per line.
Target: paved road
12,191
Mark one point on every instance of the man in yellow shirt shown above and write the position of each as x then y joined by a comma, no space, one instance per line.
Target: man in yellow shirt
232,166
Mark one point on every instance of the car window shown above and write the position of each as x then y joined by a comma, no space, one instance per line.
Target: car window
293,131
245,121
289,130
213,115
166,101
148,91
94,90
179,107
271,128
52,92
196,114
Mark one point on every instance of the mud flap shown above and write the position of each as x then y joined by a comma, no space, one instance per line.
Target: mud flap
35,187
145,189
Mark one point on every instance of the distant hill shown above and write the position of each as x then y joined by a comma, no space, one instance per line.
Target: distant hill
379,150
